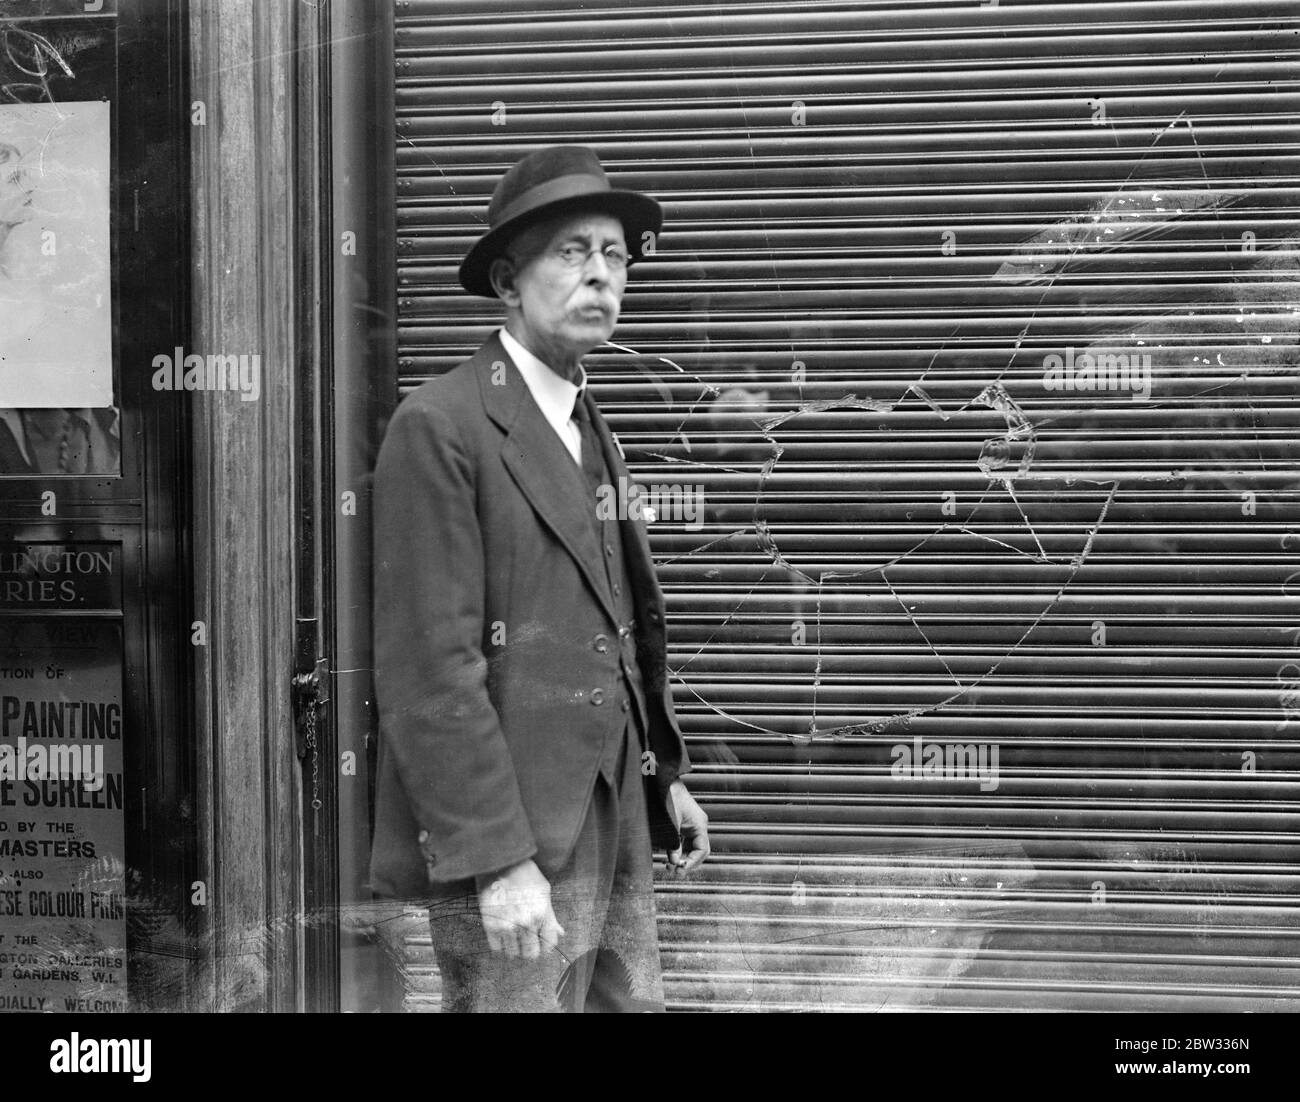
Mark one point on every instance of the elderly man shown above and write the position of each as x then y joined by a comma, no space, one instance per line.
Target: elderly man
529,754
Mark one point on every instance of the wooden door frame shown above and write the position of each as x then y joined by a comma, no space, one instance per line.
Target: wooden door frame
293,157
251,201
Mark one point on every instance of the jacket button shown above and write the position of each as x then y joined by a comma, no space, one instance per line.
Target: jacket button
627,705
598,696
624,630
601,643
609,550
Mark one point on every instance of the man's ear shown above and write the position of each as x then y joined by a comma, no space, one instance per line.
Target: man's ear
502,275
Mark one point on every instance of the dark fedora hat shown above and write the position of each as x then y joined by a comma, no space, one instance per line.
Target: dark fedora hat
546,183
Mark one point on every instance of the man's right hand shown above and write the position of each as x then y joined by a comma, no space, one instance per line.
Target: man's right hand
516,908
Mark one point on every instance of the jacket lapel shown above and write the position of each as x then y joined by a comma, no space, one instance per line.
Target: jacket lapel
540,464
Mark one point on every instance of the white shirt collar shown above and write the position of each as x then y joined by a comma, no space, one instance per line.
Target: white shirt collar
553,393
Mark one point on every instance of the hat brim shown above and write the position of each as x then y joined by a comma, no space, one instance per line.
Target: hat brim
639,214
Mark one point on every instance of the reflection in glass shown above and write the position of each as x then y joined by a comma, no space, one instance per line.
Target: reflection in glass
59,441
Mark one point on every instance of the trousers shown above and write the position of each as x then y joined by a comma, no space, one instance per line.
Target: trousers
608,959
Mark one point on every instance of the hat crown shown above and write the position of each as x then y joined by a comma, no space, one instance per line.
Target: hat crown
539,168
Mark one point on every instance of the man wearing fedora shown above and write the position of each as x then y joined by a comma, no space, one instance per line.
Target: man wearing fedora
529,755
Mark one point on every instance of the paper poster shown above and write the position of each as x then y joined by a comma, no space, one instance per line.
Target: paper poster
62,831
56,333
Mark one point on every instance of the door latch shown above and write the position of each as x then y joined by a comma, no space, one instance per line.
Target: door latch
310,694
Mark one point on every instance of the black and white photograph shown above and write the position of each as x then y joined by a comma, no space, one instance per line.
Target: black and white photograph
652,506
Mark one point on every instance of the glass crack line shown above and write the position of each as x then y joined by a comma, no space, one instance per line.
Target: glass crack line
919,630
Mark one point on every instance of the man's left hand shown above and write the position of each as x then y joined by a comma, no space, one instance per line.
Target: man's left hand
694,826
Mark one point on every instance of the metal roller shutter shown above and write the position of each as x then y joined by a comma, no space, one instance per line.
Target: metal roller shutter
883,220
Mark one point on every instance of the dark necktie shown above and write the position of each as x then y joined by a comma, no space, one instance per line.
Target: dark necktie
592,464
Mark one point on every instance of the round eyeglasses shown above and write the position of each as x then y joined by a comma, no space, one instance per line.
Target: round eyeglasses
575,256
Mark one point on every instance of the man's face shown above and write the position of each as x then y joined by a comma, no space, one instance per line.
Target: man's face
562,312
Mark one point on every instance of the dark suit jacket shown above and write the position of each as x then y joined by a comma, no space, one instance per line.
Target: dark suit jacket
488,604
